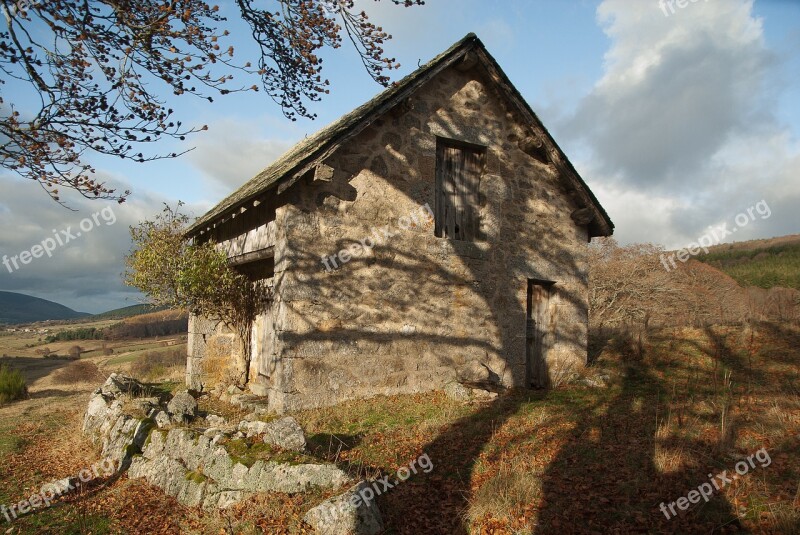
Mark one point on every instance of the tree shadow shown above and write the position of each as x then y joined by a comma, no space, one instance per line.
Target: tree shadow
615,471
35,368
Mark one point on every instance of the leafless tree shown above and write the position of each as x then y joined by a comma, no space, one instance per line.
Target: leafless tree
94,67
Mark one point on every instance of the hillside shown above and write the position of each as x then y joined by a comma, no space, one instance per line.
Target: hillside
763,263
20,308
127,312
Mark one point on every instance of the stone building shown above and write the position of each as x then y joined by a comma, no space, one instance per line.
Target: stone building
436,233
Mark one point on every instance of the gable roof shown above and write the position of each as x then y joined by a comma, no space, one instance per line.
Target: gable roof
306,154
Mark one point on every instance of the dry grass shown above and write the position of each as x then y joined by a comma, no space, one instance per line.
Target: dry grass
785,519
504,495
585,459
669,460
158,364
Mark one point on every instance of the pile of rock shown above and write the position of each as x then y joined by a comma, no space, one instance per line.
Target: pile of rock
194,466
197,470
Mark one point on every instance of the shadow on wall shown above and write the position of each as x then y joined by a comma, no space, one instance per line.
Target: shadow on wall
404,275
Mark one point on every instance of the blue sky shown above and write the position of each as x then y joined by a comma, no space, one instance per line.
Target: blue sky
677,122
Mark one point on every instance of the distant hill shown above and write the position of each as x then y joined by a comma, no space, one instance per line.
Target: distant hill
763,263
127,312
20,308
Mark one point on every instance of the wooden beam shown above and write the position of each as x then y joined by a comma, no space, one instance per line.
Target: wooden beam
583,216
253,256
534,147
323,173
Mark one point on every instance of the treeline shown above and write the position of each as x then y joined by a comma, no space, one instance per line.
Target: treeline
131,329
164,323
87,333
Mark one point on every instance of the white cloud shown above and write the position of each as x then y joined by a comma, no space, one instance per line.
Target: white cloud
85,272
233,152
681,129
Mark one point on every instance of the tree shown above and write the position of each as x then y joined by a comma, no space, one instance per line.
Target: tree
95,66
174,272
627,284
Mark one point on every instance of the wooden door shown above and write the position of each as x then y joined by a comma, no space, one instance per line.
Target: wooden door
261,348
538,332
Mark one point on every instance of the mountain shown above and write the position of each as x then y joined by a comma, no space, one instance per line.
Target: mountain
764,263
21,308
127,312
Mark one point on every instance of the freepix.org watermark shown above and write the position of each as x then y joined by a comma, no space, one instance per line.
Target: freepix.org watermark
55,489
59,239
671,4
715,235
716,483
419,217
367,493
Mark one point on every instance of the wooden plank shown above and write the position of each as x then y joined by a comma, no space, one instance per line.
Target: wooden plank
456,189
252,256
458,172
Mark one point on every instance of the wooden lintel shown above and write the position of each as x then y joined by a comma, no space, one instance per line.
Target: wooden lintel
252,256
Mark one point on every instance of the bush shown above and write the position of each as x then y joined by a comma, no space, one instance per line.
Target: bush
12,385
154,363
80,371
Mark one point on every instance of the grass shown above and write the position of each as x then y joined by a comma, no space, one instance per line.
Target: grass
575,459
12,385
156,363
132,353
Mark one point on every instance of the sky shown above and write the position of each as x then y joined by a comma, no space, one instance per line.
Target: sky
680,119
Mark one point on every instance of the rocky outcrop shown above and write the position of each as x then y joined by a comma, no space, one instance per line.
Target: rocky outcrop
182,407
198,470
193,466
285,433
459,392
477,375
119,435
351,513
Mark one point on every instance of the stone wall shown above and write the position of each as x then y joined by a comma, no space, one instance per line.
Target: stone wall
401,316
214,354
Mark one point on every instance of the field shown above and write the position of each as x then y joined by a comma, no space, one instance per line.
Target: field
685,404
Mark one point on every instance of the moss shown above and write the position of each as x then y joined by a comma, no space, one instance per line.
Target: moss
242,452
196,476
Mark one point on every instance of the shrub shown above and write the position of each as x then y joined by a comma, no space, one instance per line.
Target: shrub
12,385
80,371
